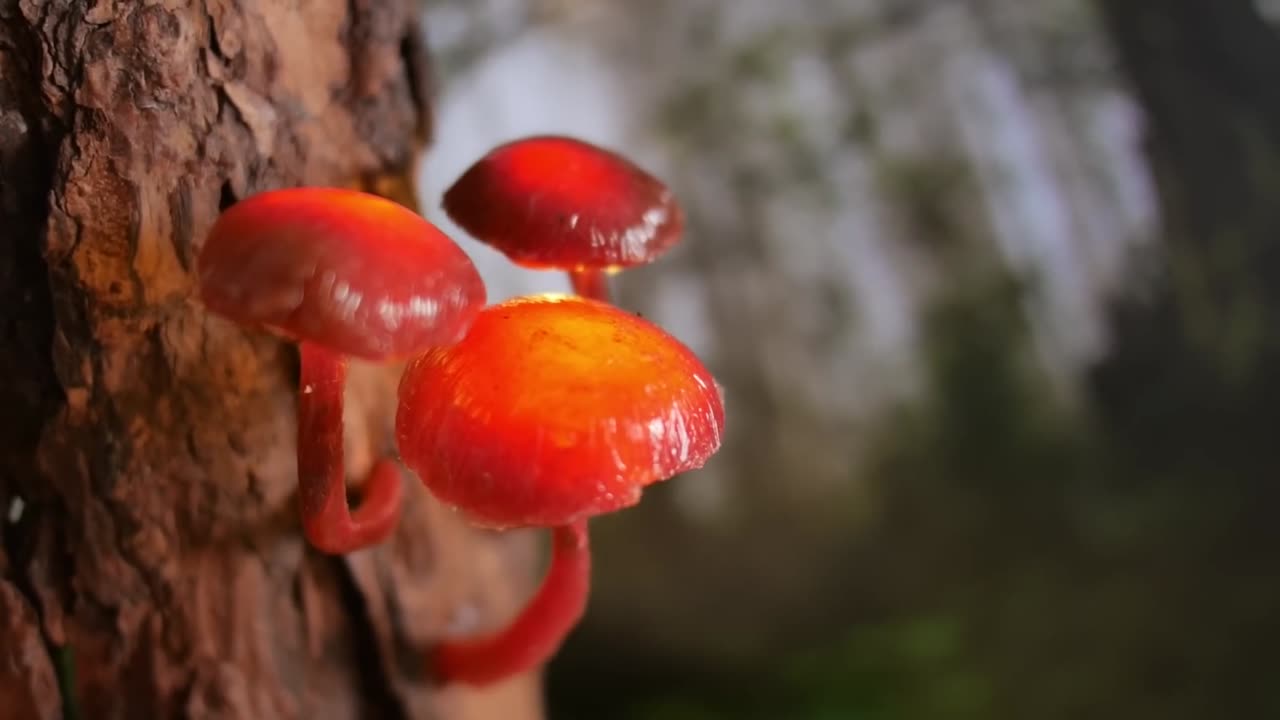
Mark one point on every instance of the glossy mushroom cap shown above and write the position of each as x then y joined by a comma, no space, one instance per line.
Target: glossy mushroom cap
554,409
559,203
354,272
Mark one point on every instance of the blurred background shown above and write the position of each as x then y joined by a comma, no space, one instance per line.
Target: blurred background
994,290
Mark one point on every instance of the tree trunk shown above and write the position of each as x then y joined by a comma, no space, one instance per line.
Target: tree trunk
152,564
1205,73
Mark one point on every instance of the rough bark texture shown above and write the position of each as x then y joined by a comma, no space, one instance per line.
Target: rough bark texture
152,562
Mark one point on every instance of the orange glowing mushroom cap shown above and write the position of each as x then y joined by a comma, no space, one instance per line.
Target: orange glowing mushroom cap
553,409
357,273
560,203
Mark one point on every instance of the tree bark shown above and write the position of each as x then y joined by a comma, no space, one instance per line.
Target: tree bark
152,565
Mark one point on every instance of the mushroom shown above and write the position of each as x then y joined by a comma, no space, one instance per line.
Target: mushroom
345,274
552,202
551,410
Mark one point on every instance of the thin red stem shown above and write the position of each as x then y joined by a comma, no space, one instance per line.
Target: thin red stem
537,633
590,283
327,520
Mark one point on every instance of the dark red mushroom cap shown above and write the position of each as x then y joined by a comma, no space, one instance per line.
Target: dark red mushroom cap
354,272
555,202
553,409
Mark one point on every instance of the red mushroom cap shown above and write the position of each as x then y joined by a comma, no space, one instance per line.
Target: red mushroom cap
556,202
354,272
551,410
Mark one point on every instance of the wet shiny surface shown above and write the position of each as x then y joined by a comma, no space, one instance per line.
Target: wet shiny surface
551,410
556,202
357,273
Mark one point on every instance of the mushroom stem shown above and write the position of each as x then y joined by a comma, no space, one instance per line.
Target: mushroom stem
537,633
327,521
590,283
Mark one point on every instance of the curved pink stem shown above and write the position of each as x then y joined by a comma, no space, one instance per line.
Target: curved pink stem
537,633
327,521
590,283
